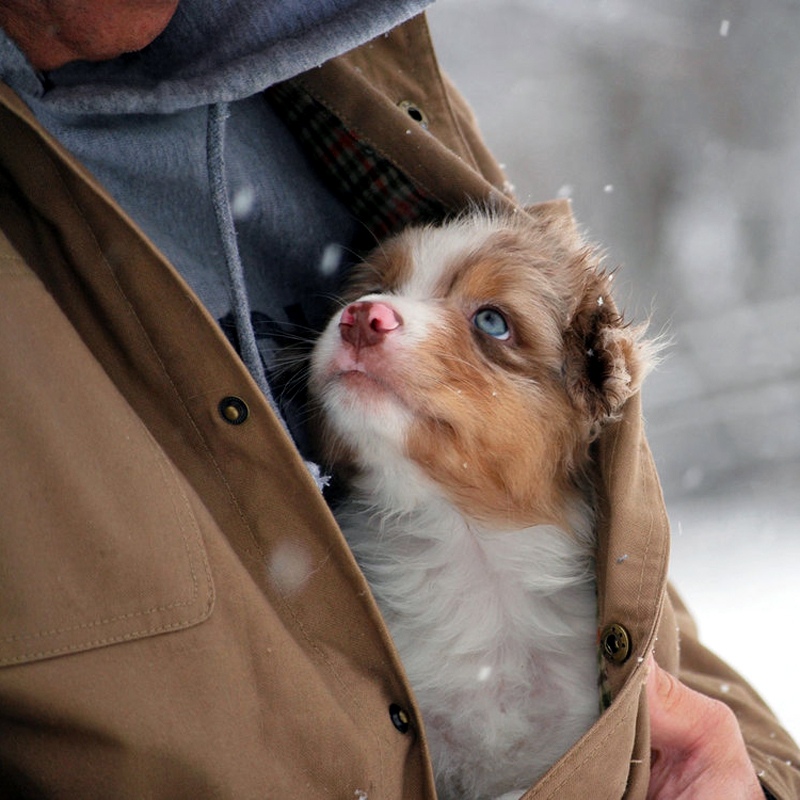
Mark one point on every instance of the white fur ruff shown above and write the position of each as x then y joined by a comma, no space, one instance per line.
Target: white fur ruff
496,631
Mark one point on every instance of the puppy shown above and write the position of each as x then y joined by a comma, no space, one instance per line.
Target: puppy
460,389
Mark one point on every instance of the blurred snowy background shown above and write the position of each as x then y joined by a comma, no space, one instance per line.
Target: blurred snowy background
674,127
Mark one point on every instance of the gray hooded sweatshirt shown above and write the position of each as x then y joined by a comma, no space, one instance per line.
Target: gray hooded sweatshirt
180,136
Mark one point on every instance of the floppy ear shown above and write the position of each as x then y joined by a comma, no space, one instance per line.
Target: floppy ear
606,359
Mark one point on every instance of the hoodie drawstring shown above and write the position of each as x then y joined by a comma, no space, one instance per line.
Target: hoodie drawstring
218,184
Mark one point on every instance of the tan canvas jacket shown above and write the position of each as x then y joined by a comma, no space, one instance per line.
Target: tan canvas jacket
148,645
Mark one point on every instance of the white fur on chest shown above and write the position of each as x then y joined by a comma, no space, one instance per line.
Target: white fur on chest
496,630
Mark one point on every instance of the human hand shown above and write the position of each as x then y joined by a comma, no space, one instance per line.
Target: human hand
697,749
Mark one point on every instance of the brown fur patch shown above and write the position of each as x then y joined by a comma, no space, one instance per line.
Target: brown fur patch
504,426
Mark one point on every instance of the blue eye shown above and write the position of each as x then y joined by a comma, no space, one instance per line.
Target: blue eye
492,322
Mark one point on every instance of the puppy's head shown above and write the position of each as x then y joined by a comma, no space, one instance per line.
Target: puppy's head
488,353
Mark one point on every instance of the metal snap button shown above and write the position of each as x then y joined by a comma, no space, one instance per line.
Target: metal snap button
615,642
233,410
414,111
400,718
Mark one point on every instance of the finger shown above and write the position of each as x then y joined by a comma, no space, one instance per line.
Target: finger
678,715
685,721
696,742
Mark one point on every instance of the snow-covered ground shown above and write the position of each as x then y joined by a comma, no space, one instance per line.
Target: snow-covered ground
673,126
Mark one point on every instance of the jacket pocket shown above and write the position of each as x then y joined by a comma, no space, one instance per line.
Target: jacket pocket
99,539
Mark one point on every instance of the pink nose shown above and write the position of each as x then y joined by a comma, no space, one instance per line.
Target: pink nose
365,323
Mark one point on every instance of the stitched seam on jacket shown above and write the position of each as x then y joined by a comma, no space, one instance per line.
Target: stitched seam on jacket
454,123
94,643
650,539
